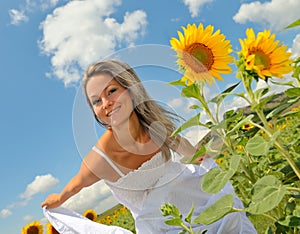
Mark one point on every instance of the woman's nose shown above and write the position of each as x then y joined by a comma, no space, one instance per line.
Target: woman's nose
106,103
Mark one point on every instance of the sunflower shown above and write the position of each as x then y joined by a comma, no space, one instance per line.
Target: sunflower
34,227
90,214
202,54
51,229
265,56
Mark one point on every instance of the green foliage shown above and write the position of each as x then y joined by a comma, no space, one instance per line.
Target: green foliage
259,152
217,211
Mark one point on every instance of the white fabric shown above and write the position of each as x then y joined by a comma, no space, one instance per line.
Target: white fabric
145,189
69,222
109,161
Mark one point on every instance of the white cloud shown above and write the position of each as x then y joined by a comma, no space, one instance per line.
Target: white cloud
97,197
20,15
41,183
296,46
175,103
276,13
82,32
5,213
195,5
17,16
274,88
195,134
28,218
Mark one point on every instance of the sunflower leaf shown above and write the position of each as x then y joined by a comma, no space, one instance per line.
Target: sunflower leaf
267,194
191,91
293,92
257,146
217,211
219,98
262,103
179,82
194,121
294,24
239,124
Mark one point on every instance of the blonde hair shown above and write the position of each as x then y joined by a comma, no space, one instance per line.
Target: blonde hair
153,118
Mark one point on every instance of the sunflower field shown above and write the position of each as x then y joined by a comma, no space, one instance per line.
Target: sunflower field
257,147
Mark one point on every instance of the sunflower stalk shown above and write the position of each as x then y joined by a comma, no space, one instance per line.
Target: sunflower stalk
247,80
220,131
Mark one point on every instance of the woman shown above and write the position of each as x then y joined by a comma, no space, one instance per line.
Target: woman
134,158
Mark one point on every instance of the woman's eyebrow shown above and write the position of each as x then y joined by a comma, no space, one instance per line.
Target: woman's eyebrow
96,96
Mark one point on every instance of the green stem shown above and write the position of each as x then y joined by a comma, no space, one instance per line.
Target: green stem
247,84
186,228
249,173
293,189
269,217
215,122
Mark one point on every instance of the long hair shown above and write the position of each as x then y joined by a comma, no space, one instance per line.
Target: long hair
156,121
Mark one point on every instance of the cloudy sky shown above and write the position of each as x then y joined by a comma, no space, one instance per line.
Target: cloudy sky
45,127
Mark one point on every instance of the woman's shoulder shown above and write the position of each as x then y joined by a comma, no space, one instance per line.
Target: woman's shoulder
106,141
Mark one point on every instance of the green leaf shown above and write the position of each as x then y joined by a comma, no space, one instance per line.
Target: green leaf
195,107
290,83
215,179
194,121
235,162
269,231
294,24
218,99
189,216
174,222
290,221
191,91
241,123
279,109
200,152
293,92
257,146
177,83
262,103
267,194
217,211
296,72
258,94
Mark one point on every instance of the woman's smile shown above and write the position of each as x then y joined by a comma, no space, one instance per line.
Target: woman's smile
113,111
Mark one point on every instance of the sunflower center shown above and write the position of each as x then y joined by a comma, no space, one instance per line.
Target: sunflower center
199,57
90,216
32,230
261,59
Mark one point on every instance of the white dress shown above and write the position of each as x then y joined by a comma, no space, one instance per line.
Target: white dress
145,189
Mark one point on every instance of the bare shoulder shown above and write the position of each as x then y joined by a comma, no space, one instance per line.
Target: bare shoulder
106,141
95,162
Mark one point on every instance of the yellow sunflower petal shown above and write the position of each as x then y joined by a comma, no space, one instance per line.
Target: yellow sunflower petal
202,53
263,55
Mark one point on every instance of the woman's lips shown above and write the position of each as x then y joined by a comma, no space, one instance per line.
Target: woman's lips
113,111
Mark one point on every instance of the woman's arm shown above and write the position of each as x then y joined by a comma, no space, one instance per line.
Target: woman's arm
185,148
84,178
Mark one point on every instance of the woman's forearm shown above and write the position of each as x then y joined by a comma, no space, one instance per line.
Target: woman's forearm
72,188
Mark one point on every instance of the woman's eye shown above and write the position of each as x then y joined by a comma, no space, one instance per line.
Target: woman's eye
112,90
95,102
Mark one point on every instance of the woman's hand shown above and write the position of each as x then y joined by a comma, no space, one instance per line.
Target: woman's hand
52,201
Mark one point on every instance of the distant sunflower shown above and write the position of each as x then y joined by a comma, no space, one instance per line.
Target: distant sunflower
34,227
202,54
90,214
265,56
51,229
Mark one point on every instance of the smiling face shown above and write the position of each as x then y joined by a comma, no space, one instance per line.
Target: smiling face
111,102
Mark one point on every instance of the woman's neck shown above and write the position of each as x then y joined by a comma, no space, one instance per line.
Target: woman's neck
132,137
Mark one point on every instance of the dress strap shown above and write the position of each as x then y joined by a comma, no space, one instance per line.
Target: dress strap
110,162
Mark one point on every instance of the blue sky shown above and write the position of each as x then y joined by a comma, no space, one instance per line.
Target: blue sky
45,128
